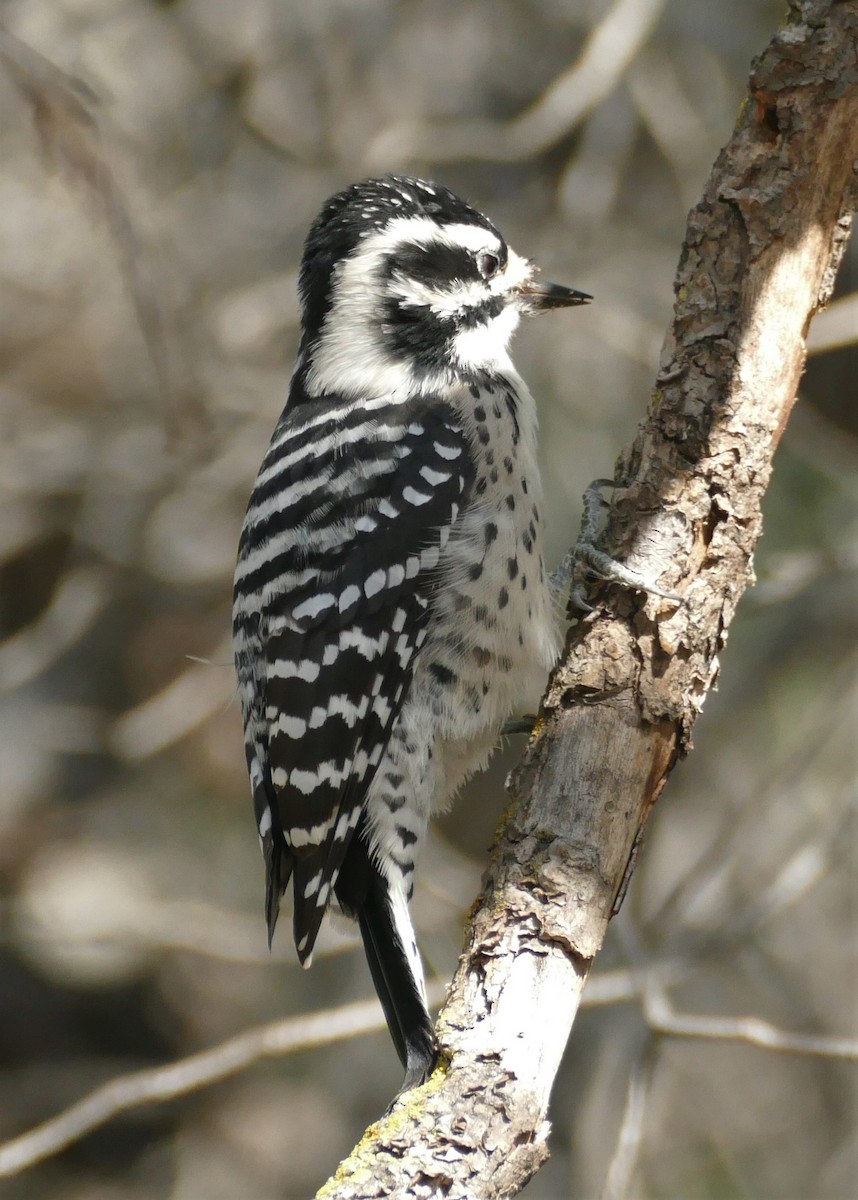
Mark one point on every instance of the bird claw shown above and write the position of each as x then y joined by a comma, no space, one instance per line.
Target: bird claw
522,724
587,559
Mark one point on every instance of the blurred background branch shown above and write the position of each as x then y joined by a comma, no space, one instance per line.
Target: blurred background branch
607,52
186,1075
130,886
65,115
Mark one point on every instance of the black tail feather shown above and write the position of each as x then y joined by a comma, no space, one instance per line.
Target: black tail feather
278,868
364,892
404,1008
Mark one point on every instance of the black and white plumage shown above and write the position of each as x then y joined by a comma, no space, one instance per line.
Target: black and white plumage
390,596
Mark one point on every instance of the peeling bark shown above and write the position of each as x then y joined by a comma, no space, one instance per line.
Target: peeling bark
759,259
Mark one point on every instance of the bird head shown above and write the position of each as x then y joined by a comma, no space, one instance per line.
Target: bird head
405,288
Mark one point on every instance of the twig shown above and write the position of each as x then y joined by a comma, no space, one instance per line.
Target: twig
630,1138
670,116
186,703
663,1018
157,1084
75,606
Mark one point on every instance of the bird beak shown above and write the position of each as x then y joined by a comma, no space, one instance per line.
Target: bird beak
539,296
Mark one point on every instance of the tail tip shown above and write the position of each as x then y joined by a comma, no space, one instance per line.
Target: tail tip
272,912
305,951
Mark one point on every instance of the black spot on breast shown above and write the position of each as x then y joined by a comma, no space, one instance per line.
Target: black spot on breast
481,614
509,464
524,487
481,486
490,458
496,411
527,542
512,409
510,503
479,412
482,657
512,567
524,583
475,571
406,836
394,778
394,803
503,598
531,529
493,475
443,674
483,435
490,533
475,391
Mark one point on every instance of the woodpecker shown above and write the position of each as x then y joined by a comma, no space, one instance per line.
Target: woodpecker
391,603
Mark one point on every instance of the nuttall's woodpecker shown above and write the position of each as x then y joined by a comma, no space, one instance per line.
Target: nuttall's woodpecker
391,602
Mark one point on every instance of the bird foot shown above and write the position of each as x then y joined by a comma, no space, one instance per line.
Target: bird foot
586,561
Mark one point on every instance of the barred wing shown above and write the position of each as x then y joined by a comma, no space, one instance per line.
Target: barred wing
336,569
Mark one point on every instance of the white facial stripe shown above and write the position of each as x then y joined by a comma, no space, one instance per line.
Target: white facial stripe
397,232
422,230
470,237
443,302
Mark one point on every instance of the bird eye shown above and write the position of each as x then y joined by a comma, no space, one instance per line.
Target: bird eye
488,265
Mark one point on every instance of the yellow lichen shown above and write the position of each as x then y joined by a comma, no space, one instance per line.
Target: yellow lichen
362,1161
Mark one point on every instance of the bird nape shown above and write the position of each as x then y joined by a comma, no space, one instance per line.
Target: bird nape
391,604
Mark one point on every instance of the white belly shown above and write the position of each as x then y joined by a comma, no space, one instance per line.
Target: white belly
492,637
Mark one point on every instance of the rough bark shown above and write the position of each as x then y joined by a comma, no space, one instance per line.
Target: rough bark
760,255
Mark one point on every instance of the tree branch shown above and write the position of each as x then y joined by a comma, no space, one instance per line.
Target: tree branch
760,255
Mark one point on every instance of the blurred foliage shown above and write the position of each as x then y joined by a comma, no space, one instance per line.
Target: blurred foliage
147,330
